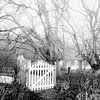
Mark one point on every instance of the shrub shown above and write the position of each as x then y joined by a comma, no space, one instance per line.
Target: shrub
82,85
18,91
66,92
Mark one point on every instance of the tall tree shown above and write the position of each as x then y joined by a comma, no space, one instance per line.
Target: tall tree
86,40
48,46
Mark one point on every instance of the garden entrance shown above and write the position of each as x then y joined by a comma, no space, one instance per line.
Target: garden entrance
41,75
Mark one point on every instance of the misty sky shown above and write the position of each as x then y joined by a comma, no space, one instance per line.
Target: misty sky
29,17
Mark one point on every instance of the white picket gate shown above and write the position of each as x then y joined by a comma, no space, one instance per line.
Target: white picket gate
41,75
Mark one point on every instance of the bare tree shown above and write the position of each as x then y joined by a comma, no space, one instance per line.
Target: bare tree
49,47
87,48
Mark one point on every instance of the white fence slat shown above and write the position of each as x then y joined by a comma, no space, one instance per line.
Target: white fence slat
55,75
40,77
34,75
31,77
38,74
48,77
29,65
49,73
45,77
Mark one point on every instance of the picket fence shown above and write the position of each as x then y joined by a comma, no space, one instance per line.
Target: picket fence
41,75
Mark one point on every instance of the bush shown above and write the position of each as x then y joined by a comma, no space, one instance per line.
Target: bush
18,91
81,85
65,91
